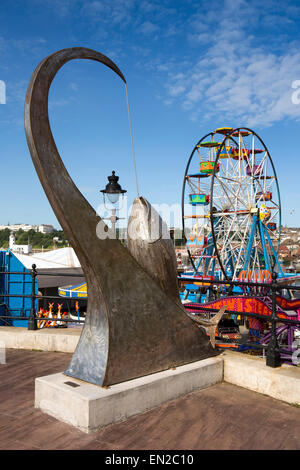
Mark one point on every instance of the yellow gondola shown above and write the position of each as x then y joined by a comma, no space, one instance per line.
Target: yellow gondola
224,130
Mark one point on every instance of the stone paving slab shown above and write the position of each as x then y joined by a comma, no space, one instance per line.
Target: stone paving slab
223,416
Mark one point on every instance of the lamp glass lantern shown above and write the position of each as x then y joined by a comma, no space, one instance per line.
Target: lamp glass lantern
113,189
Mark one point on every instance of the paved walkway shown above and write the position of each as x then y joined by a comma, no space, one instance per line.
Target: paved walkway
221,417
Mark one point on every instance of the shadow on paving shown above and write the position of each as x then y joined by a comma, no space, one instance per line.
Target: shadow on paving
220,417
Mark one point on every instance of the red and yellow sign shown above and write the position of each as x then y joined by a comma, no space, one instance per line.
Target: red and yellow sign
248,305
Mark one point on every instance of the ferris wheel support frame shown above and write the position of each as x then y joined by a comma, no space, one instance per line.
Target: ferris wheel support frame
272,248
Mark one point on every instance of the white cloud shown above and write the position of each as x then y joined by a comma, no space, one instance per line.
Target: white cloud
117,12
61,7
74,86
148,28
237,75
176,90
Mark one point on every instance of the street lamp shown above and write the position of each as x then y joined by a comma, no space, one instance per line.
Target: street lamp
113,191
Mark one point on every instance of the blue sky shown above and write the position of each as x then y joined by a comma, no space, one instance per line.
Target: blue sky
191,66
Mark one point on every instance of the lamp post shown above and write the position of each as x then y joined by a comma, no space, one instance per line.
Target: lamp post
113,191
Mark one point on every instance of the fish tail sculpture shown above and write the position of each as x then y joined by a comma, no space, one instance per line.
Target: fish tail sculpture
135,324
211,325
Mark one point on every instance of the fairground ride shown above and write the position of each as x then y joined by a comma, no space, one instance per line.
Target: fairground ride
231,212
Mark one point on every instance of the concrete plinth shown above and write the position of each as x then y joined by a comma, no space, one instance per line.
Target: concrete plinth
282,383
48,339
90,407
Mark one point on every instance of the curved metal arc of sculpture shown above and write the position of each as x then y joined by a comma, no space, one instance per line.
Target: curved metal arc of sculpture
133,327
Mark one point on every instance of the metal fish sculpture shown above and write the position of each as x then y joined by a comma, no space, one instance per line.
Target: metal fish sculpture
149,242
134,325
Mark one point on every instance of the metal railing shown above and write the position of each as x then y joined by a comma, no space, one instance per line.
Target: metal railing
273,349
33,318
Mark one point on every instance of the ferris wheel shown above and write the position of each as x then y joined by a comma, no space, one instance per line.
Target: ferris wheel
231,205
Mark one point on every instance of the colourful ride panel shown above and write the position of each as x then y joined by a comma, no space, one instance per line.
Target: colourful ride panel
196,241
205,278
199,199
235,153
260,276
254,170
267,196
224,130
208,167
246,304
286,304
264,213
225,152
209,144
79,290
241,133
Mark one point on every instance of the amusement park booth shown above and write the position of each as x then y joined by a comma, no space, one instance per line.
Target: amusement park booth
54,268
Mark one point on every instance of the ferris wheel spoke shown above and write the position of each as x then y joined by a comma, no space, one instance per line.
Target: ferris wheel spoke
243,242
227,187
225,190
237,226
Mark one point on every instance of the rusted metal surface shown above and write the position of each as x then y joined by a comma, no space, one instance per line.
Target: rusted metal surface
133,327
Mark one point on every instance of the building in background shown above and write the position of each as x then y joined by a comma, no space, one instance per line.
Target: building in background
16,227
46,228
43,228
25,249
